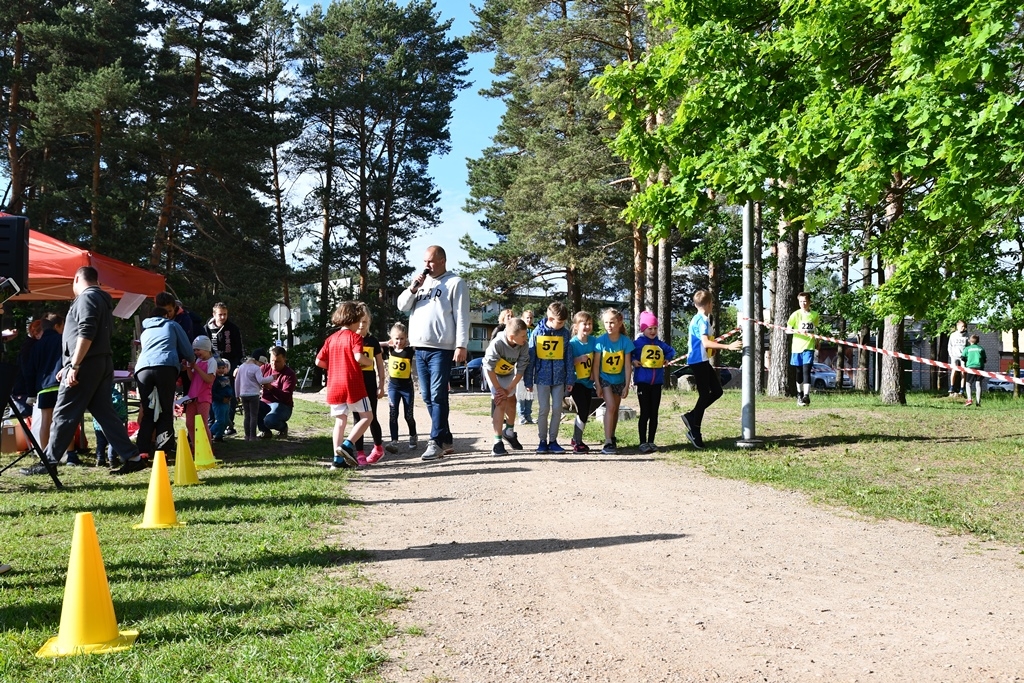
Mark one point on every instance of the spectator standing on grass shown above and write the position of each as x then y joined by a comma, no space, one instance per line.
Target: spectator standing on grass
438,306
955,347
223,393
249,381
87,375
705,376
973,357
164,345
227,343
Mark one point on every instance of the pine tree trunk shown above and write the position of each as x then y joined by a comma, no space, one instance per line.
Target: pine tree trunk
801,262
639,273
784,303
844,285
15,159
651,281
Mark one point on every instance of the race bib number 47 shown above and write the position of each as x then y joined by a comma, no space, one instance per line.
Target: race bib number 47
613,363
550,348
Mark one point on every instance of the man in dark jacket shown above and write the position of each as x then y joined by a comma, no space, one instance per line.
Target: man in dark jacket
227,344
87,375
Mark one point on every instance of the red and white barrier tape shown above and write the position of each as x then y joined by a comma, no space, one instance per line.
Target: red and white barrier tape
904,356
717,339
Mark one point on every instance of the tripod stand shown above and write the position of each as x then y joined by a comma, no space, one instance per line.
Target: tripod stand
7,374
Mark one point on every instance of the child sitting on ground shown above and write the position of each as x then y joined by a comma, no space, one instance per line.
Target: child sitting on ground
505,363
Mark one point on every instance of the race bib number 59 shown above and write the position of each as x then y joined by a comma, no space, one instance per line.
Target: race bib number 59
399,368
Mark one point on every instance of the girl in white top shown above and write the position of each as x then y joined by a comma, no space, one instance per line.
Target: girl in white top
249,381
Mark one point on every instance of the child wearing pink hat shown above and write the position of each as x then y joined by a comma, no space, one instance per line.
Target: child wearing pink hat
649,357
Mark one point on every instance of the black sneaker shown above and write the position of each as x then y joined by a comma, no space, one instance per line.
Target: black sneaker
348,454
283,434
130,466
807,400
690,434
266,434
512,438
498,449
230,430
38,468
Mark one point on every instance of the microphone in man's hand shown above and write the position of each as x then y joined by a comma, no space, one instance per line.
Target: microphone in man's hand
425,273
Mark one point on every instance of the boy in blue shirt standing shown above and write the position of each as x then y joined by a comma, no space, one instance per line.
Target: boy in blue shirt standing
709,387
552,371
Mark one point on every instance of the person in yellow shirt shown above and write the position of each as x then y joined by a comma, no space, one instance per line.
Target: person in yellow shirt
802,324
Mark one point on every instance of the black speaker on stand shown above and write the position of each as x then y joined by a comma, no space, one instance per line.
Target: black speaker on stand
14,278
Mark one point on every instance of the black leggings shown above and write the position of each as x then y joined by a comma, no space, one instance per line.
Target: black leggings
709,390
160,379
370,380
582,396
649,396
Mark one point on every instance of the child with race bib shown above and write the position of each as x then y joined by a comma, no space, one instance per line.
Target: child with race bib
581,348
613,370
373,378
551,374
505,363
649,357
400,389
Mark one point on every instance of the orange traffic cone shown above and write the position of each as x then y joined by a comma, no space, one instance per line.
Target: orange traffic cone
159,503
204,452
184,467
87,621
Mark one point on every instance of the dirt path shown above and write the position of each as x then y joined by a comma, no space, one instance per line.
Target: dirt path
630,568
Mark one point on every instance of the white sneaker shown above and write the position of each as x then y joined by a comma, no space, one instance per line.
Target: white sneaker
433,451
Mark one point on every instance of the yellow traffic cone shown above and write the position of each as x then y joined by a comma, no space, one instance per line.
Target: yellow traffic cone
204,452
184,467
87,621
159,503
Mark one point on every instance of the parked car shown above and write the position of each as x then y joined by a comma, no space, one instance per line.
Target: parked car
824,377
474,369
1000,385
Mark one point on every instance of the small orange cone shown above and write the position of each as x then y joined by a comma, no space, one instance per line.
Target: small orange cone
159,503
204,452
87,621
184,467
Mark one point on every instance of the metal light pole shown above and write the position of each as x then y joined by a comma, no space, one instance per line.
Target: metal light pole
748,315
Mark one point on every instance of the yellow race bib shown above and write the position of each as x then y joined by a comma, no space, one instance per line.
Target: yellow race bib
399,368
368,352
503,368
584,366
613,363
550,348
652,357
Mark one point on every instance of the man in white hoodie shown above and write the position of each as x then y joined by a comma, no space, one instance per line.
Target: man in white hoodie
438,306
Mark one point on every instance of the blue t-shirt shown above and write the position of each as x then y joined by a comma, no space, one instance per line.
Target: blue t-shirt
700,327
583,368
613,355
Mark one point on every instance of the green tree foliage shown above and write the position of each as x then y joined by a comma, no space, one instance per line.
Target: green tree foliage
547,187
379,80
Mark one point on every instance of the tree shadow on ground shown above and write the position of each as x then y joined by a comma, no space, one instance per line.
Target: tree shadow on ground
510,548
804,441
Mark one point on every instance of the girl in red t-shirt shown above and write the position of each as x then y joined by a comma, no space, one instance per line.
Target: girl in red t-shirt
343,358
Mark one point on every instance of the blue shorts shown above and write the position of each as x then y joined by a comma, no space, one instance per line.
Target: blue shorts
801,358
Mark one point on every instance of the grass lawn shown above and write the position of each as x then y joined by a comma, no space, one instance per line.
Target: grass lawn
932,461
250,590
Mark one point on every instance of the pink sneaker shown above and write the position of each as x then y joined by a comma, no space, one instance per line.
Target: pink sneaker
375,454
361,459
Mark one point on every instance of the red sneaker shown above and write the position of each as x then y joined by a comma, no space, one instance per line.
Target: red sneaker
375,454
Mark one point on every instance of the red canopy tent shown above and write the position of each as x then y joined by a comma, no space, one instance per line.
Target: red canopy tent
52,265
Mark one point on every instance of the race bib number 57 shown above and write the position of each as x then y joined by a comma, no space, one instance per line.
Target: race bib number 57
550,348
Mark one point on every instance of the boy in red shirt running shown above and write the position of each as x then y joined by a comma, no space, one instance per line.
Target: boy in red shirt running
343,358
